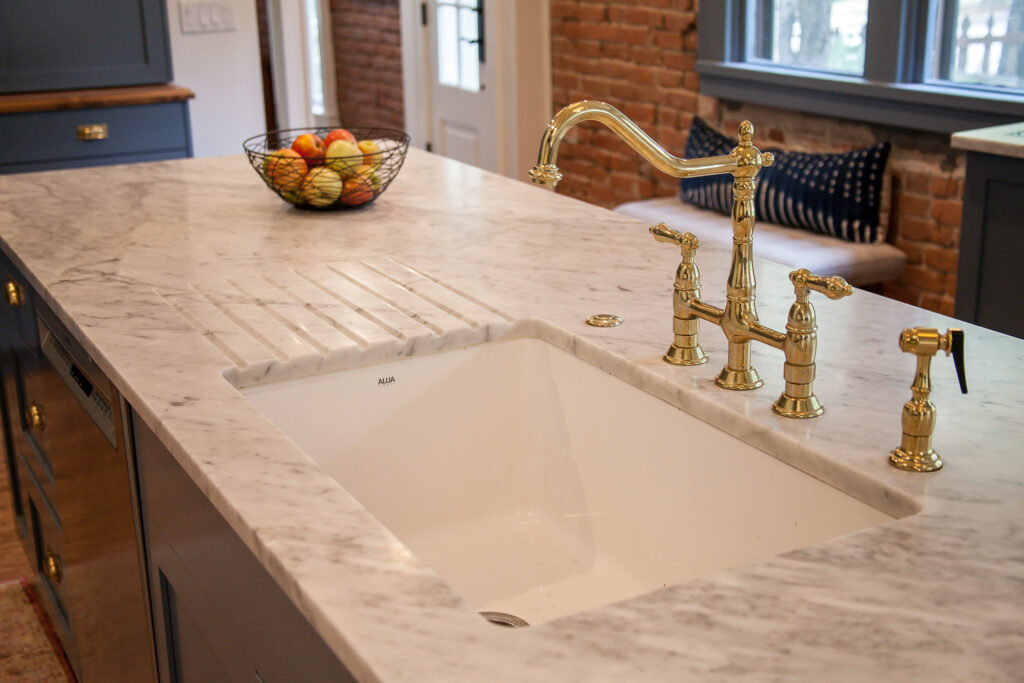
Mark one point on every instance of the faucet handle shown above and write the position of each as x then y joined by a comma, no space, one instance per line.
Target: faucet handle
688,242
833,287
801,343
956,347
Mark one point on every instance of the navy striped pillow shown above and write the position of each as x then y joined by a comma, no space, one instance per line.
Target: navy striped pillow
832,194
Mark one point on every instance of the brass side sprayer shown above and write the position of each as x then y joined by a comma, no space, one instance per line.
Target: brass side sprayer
915,452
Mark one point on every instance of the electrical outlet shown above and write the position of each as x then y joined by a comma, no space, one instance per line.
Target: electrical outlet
206,17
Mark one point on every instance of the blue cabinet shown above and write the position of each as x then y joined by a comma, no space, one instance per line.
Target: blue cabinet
82,84
989,275
218,615
70,44
93,136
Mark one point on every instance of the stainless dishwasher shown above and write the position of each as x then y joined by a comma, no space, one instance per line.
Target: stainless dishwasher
77,479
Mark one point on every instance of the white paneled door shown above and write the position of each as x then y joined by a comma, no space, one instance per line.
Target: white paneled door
462,90
477,79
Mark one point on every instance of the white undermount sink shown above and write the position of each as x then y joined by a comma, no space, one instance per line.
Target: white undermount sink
538,485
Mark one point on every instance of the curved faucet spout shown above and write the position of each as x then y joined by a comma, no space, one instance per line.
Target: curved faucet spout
744,161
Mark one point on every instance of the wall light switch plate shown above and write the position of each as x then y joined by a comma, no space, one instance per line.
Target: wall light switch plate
206,17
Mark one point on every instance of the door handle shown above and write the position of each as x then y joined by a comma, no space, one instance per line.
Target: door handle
53,567
36,417
13,290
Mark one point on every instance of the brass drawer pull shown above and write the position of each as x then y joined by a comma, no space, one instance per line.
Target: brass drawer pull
52,567
92,131
36,417
13,289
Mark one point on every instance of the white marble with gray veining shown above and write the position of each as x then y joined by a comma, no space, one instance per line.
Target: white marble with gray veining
181,277
1006,140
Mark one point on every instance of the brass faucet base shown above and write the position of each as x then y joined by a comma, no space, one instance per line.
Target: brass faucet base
690,355
739,380
926,461
788,406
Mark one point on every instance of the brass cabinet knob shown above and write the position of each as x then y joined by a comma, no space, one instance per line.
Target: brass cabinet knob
52,567
13,289
36,417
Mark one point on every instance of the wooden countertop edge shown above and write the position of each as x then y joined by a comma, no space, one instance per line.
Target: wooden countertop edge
99,97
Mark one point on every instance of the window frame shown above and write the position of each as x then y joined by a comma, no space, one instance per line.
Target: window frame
894,89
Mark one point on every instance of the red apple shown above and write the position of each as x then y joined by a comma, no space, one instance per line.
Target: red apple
338,134
311,147
357,190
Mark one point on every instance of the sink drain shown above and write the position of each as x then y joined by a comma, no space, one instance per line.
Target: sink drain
504,619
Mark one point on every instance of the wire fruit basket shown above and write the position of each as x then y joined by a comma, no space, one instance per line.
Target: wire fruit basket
321,182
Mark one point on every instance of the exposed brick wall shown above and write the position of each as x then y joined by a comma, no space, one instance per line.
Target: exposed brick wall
927,188
368,62
640,55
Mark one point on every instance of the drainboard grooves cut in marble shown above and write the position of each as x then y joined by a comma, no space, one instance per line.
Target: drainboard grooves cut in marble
341,270
444,298
458,292
363,302
297,318
257,322
237,344
329,309
329,316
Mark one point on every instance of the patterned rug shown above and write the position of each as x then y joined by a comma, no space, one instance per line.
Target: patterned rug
29,650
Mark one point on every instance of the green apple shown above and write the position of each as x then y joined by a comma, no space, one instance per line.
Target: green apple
322,186
344,157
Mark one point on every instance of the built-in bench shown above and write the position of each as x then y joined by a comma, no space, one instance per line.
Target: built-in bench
861,264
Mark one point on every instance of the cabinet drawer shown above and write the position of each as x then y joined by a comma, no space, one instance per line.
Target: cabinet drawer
47,544
53,136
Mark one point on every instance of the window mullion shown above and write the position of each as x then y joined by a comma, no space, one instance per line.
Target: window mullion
944,54
887,30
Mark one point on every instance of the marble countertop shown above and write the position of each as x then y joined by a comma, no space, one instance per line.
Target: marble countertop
177,274
1006,140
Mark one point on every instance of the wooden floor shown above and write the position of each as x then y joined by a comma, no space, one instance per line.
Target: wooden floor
13,561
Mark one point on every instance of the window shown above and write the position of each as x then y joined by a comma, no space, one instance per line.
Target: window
981,42
825,35
459,43
940,65
314,55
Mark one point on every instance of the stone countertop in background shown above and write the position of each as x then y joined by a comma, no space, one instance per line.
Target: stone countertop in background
144,262
1007,141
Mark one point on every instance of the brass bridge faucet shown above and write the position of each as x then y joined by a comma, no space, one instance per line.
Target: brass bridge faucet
738,319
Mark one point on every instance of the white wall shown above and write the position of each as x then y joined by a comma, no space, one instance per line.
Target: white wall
223,70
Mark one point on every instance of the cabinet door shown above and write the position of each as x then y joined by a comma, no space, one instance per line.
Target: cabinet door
217,613
989,277
67,44
15,337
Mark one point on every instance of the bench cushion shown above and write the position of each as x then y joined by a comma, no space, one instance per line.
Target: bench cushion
860,264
